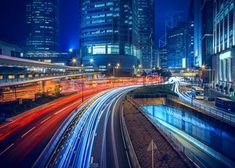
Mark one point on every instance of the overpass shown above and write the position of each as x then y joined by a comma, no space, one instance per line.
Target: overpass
20,62
17,71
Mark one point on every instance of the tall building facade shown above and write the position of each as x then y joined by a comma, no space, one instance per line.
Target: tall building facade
190,38
106,34
195,34
176,46
42,20
163,57
143,30
207,33
224,43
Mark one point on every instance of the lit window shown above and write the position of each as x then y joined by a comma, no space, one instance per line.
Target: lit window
89,50
98,21
99,49
99,5
109,3
109,14
113,49
127,50
109,31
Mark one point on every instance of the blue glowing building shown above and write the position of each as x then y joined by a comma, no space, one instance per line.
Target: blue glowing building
106,34
143,30
176,46
42,21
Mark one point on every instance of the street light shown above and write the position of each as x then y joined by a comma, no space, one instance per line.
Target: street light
74,61
91,60
203,67
116,67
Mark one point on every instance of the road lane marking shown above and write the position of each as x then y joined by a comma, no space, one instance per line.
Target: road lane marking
6,149
57,112
45,120
4,126
66,107
28,132
128,159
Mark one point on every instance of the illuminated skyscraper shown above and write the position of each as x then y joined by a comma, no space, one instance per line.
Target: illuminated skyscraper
42,20
223,61
106,33
176,46
207,32
195,34
143,30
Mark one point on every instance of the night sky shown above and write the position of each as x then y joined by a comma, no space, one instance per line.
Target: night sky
13,26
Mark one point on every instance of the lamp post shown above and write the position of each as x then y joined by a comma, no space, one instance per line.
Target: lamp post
116,68
203,68
109,69
91,63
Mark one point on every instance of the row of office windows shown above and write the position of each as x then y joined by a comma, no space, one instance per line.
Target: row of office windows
102,15
103,49
103,4
98,32
111,49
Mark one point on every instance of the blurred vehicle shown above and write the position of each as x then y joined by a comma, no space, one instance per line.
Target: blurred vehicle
197,93
226,104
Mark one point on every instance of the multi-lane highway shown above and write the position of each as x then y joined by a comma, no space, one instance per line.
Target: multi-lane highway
23,139
93,138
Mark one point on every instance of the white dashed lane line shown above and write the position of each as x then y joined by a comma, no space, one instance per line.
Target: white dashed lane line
6,149
28,132
45,120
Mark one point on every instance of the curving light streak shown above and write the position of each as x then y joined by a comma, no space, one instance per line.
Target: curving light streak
78,145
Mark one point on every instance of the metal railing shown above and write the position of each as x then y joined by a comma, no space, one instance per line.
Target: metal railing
213,112
176,144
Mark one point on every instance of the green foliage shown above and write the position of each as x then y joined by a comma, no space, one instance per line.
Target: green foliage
162,72
153,91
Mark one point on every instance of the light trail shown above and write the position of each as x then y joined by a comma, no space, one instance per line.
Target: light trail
76,147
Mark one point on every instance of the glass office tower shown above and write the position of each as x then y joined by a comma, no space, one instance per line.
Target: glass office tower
176,46
106,33
143,30
42,20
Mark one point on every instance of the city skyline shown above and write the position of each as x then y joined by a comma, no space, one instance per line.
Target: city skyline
69,23
117,83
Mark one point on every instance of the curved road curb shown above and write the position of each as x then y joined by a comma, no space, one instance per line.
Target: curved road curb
128,143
